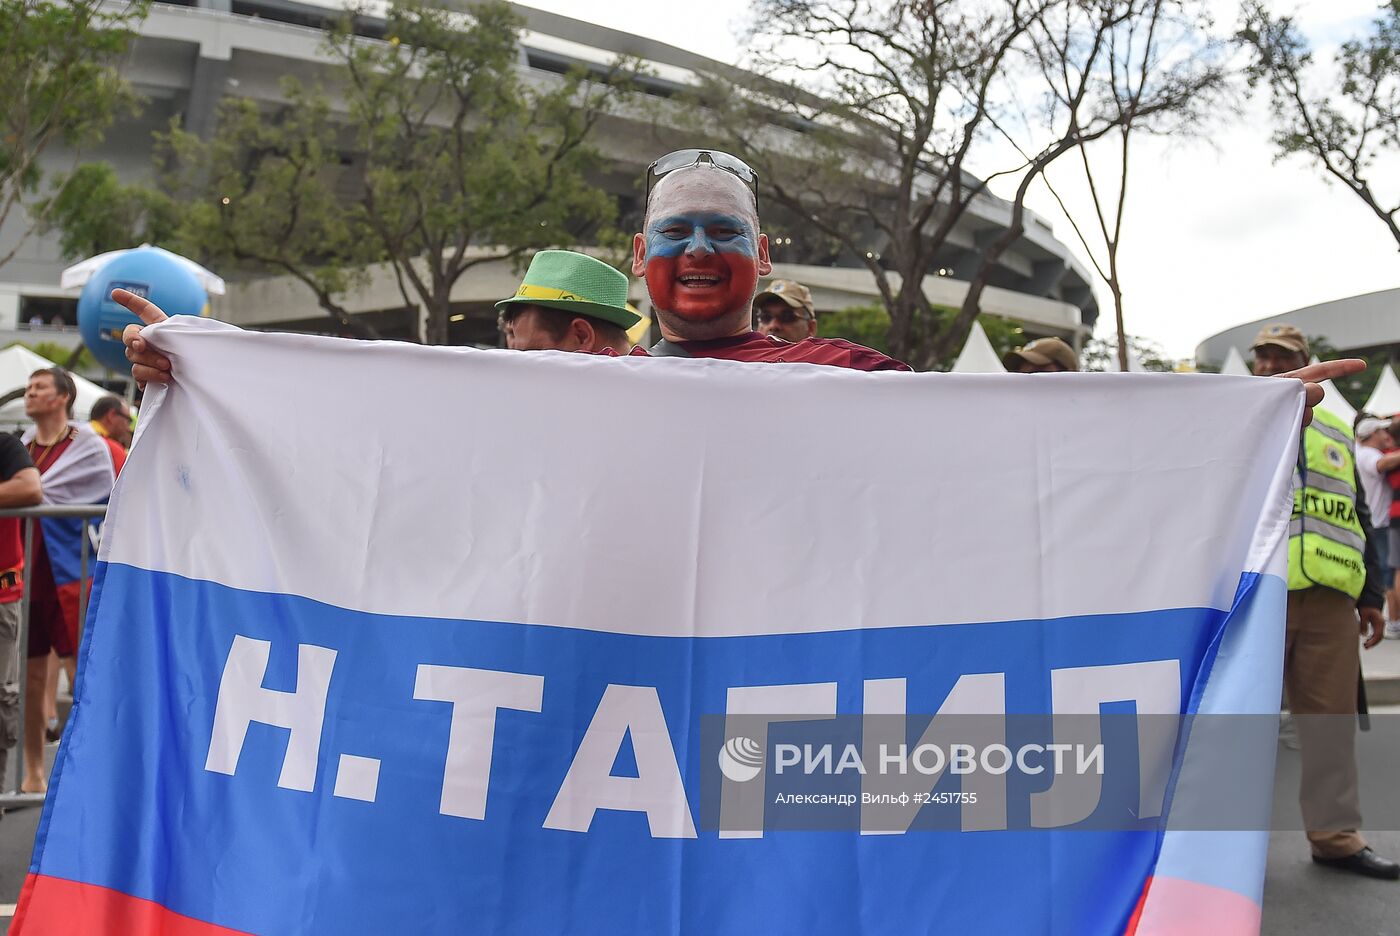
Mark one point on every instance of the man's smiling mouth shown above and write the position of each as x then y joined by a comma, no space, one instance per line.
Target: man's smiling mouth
698,280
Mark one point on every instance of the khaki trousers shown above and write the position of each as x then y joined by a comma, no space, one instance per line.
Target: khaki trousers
1321,663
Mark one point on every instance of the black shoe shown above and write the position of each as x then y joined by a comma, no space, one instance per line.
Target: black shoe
1364,862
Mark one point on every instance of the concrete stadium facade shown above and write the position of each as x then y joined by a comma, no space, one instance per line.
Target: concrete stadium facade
1367,326
187,57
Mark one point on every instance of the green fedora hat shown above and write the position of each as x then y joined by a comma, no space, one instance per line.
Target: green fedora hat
575,282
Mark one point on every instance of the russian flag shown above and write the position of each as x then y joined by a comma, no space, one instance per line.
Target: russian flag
387,638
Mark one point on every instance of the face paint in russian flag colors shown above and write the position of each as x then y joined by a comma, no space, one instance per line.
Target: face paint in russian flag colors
701,265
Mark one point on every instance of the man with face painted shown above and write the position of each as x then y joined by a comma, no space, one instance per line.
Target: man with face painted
702,253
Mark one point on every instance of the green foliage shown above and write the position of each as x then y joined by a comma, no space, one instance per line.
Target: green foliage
60,86
94,212
266,193
1357,388
459,153
441,159
60,355
1348,121
865,325
869,325
1101,354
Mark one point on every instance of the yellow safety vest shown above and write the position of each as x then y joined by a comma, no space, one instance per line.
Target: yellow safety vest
1326,545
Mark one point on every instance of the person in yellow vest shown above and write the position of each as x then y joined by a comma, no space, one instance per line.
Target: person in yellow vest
1334,585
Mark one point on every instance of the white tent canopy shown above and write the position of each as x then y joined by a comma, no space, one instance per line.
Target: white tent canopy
977,356
1385,399
1334,402
79,273
1234,365
17,363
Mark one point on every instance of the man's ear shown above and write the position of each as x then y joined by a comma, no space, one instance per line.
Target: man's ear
582,331
639,255
765,265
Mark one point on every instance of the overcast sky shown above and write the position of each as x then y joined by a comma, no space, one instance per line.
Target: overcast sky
1216,232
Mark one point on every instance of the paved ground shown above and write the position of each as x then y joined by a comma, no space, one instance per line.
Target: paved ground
1383,659
1381,665
1302,899
17,828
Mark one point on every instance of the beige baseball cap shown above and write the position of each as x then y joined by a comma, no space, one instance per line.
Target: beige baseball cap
1282,336
789,291
1043,351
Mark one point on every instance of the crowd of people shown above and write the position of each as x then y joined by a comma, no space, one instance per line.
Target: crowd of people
58,460
702,254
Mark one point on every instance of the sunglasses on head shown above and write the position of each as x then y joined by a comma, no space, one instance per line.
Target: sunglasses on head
686,158
787,316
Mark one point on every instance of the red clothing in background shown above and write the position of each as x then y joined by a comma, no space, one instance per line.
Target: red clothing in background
1393,477
53,610
13,460
118,454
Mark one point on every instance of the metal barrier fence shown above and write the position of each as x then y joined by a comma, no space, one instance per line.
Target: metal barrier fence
11,798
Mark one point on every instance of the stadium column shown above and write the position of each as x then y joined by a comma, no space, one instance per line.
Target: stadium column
211,68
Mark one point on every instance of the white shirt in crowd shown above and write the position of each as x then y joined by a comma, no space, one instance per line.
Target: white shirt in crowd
1374,484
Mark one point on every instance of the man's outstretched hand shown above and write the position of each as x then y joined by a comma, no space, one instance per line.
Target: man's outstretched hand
146,363
1312,377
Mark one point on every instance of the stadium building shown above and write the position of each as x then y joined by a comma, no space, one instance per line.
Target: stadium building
188,57
1366,326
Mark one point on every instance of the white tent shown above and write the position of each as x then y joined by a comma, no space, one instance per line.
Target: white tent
977,356
1333,401
1385,399
1234,365
16,364
84,270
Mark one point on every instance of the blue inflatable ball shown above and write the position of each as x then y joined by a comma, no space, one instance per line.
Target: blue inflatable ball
148,272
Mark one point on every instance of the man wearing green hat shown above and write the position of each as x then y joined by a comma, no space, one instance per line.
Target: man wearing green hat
568,302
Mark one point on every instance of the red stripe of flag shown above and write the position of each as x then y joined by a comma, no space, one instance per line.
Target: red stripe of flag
50,906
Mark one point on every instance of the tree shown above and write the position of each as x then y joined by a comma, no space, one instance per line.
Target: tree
265,193
1165,32
94,212
890,99
439,159
77,358
460,153
268,193
1357,388
1102,71
1347,122
1101,354
869,325
895,101
60,87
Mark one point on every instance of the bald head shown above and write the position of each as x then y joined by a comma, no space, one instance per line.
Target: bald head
701,253
704,186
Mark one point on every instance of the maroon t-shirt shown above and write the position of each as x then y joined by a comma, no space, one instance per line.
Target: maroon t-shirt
834,352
